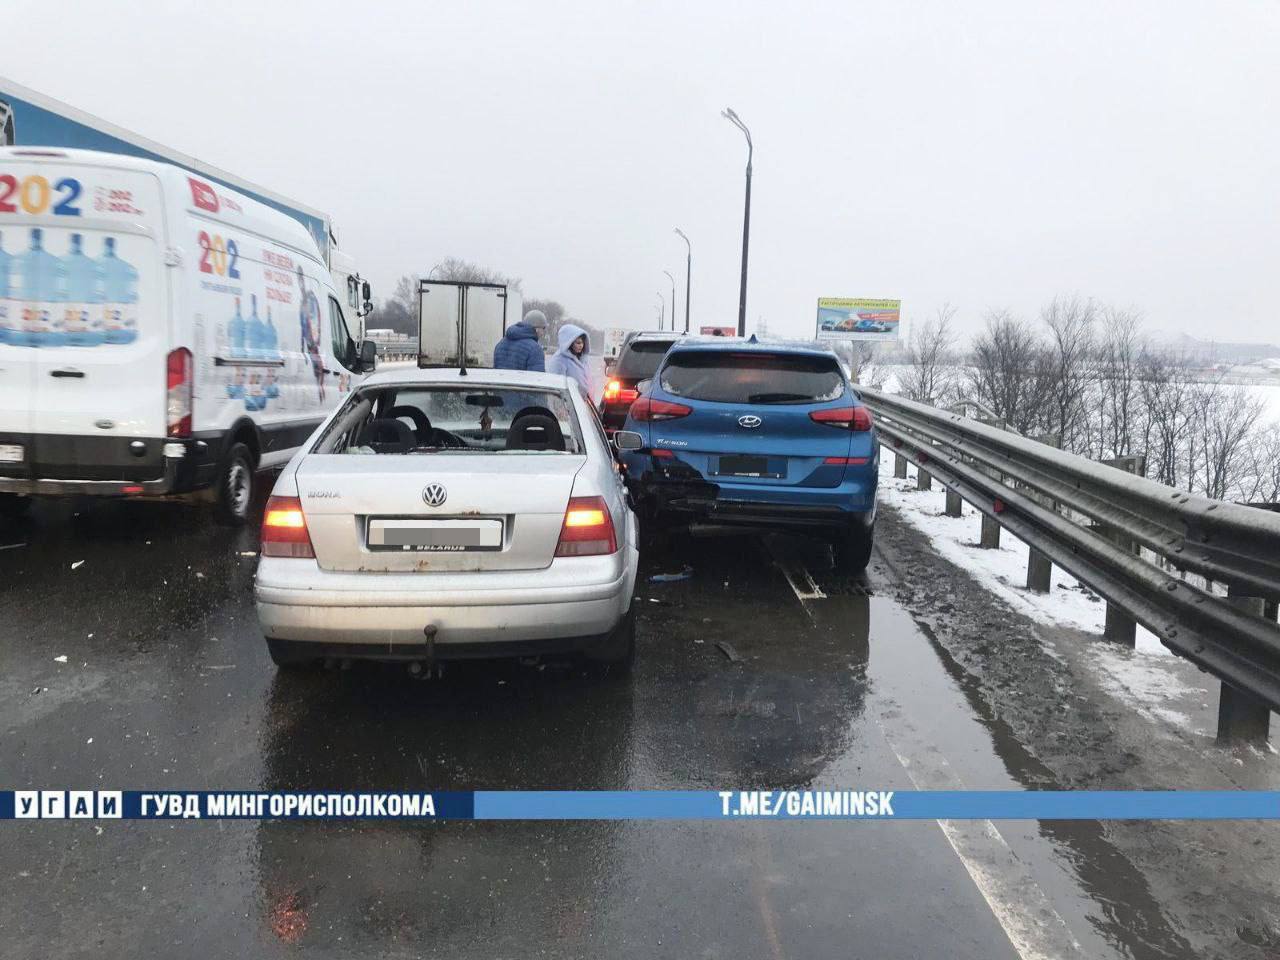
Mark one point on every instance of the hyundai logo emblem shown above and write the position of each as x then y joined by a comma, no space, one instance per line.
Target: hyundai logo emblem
434,494
749,422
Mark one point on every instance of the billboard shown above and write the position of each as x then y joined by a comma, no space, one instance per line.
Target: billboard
719,331
842,318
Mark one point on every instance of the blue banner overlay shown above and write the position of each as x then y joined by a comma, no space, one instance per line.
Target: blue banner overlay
644,805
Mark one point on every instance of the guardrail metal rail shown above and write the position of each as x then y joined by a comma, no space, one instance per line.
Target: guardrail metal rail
1111,530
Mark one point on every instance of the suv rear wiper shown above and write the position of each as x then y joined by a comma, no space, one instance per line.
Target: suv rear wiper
776,397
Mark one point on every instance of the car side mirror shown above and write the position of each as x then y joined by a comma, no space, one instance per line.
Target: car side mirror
368,356
628,440
643,386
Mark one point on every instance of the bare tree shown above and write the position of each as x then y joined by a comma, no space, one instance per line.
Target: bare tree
864,365
1263,466
930,375
464,271
1070,367
1007,370
1167,393
1224,419
1119,390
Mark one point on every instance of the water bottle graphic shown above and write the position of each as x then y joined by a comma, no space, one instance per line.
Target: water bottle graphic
80,279
40,296
237,333
272,343
8,307
120,293
255,332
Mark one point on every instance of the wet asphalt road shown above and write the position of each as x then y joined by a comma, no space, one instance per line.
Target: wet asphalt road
167,685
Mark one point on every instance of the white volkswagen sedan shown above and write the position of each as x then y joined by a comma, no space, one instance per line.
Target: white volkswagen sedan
439,515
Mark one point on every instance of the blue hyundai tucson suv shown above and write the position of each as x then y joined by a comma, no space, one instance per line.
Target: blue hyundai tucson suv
758,433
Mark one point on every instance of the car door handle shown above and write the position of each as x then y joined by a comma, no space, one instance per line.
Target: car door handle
77,374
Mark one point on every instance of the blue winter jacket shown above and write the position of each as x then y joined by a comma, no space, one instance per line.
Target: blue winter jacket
519,350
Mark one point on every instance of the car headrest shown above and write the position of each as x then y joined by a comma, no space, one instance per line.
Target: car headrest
387,436
533,430
421,422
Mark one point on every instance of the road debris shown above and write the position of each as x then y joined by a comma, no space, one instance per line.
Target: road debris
728,650
60,659
77,565
684,574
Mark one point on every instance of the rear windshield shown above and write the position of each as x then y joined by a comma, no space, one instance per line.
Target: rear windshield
752,377
471,419
641,359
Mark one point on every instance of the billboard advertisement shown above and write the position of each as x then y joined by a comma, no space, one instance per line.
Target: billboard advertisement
843,318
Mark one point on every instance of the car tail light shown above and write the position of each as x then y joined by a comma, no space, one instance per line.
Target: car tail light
180,383
284,529
615,394
846,461
647,410
587,530
846,418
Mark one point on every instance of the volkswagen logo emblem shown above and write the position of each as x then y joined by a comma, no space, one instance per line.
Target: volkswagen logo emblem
749,422
434,494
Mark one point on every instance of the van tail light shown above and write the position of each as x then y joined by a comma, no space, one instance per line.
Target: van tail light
284,529
615,394
647,410
587,530
180,382
846,418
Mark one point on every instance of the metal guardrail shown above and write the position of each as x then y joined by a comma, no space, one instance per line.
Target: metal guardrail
1023,485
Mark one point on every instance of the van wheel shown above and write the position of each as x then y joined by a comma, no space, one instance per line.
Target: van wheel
235,486
852,553
14,506
618,652
285,655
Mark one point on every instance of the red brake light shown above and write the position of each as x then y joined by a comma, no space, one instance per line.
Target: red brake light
284,529
615,394
647,410
846,418
180,383
587,530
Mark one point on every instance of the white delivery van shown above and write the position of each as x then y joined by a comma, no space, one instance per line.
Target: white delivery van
160,335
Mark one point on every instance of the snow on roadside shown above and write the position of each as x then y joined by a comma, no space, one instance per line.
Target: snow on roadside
1003,571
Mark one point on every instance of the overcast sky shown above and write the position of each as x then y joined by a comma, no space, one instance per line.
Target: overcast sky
987,154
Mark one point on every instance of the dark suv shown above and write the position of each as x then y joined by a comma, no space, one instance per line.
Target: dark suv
638,360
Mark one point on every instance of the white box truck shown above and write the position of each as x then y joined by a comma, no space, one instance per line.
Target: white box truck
160,335
459,323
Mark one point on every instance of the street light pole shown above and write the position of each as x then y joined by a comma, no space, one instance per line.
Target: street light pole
733,118
673,299
662,310
688,274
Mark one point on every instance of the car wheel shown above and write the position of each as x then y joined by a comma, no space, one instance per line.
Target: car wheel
852,552
285,655
618,652
14,506
235,486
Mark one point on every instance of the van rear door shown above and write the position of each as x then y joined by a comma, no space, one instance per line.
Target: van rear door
90,283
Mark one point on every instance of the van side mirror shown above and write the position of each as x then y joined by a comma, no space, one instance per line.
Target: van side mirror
628,440
366,292
368,356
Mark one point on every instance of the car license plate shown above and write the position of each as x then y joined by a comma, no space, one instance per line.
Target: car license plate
10,453
434,536
745,466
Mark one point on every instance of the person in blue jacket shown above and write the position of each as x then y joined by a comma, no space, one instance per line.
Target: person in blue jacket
571,359
519,348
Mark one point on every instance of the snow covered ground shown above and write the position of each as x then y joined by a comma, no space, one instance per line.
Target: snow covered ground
1149,677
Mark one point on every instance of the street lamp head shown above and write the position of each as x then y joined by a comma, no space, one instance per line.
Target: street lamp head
728,114
669,276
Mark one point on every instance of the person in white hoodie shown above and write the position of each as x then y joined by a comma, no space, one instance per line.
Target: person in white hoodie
571,359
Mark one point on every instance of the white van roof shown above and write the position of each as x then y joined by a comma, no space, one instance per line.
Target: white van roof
198,196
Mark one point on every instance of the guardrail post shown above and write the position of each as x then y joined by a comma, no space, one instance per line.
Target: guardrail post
924,480
954,504
990,539
1242,717
1039,571
1119,626
899,466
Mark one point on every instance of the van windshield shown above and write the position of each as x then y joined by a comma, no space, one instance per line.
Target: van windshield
641,359
454,419
752,377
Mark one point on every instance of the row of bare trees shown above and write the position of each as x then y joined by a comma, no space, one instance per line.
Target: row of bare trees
1084,376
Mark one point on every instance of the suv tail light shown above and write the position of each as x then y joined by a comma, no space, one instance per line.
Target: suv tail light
180,381
647,410
284,529
587,530
846,418
616,394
